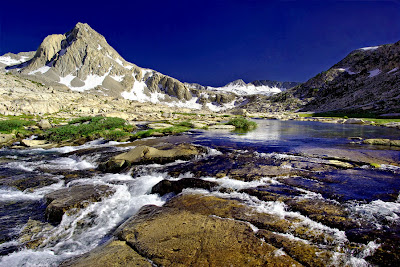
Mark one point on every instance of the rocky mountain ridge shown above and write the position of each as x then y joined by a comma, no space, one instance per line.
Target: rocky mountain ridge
368,79
240,87
83,61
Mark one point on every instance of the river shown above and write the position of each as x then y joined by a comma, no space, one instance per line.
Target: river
368,189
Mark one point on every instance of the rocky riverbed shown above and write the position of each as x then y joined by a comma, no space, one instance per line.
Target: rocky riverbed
288,193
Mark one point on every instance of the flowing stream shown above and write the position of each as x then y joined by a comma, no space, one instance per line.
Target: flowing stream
371,194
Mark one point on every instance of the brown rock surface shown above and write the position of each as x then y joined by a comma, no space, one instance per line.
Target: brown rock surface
173,237
114,253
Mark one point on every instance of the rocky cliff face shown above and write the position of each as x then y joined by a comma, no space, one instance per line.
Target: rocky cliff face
368,79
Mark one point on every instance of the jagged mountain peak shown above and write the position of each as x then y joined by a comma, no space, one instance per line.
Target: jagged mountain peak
236,83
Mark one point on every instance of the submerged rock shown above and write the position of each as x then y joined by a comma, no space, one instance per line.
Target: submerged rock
167,186
73,198
26,181
34,233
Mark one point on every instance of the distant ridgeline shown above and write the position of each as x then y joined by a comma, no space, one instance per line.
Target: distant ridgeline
82,60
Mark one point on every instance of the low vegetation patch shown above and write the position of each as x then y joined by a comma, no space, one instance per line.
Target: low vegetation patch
187,124
242,124
89,127
14,125
366,116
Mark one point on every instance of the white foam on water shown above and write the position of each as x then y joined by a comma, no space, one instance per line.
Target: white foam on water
29,258
69,164
379,210
21,165
16,195
238,184
82,232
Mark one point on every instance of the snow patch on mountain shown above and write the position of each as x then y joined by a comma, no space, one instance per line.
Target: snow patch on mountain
240,88
369,48
7,60
374,73
41,70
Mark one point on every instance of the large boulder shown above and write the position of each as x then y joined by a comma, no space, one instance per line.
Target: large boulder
44,124
197,230
174,237
73,198
147,154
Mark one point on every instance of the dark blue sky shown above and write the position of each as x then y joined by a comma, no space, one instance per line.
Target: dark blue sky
213,42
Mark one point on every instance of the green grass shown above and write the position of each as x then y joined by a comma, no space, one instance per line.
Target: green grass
187,124
366,116
170,130
305,115
242,124
14,125
381,121
87,127
350,114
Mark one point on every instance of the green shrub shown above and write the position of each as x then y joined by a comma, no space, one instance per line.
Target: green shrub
114,134
242,124
84,127
9,126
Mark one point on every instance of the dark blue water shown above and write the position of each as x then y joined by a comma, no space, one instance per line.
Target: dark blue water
289,136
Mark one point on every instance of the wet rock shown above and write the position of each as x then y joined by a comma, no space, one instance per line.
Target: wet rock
176,236
221,127
34,233
382,142
387,254
114,253
167,186
354,121
328,213
233,209
114,165
71,199
37,143
273,192
24,182
245,166
303,252
340,164
147,154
